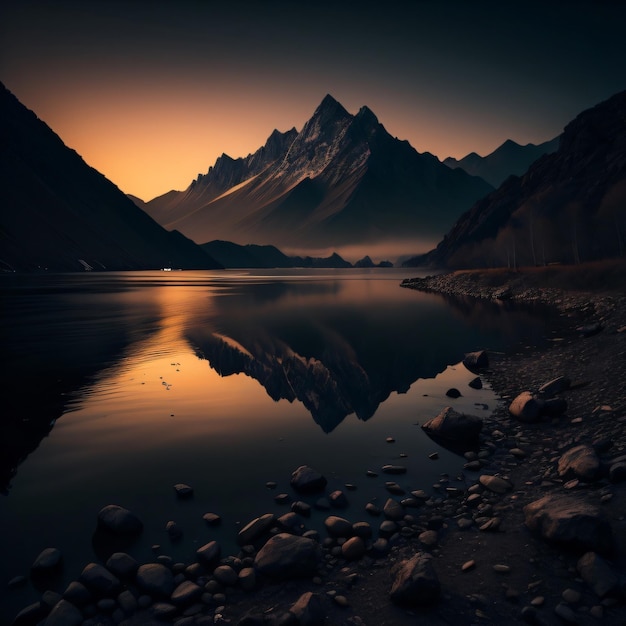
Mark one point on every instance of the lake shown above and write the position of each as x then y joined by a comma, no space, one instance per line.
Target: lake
119,385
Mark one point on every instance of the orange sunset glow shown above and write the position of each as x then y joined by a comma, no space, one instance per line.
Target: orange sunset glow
150,94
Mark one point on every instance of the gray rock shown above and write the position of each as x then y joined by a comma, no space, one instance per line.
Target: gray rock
47,561
617,472
186,593
286,556
362,529
353,549
209,553
64,614
174,530
99,580
127,601
163,610
569,521
309,609
119,520
393,510
301,508
598,574
155,579
475,361
305,479
454,426
122,565
554,386
291,523
255,529
495,483
416,582
212,519
580,462
77,594
393,469
475,383
247,578
338,526
225,575
387,528
338,499
526,407
183,490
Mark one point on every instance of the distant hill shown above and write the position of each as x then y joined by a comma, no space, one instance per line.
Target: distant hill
509,158
569,207
235,256
342,179
60,214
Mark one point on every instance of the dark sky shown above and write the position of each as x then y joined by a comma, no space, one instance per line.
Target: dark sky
151,93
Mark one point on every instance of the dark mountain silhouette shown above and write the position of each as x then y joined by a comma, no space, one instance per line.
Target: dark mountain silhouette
569,207
60,214
341,179
509,158
234,256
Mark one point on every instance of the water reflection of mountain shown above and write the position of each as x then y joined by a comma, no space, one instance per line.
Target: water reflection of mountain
336,360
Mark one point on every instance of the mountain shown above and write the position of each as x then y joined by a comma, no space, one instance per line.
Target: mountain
234,256
509,158
342,179
60,214
569,207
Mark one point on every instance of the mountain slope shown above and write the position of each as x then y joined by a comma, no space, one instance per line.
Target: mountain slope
60,214
509,158
569,207
342,179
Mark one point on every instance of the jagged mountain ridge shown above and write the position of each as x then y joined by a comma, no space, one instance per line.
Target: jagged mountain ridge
569,207
60,214
235,256
508,158
342,179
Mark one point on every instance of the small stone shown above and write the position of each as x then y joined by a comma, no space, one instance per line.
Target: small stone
47,561
247,578
393,469
538,601
501,569
305,479
353,548
495,483
468,565
174,530
282,498
565,613
338,499
433,456
117,519
453,393
225,575
390,440
571,596
183,491
212,519
341,601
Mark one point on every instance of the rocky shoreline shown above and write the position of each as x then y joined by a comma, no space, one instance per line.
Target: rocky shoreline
536,534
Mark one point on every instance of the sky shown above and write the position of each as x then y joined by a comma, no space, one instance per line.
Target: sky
150,93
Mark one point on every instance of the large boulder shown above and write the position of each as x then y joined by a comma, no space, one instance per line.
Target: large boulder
580,462
454,426
571,522
119,520
416,582
287,556
305,479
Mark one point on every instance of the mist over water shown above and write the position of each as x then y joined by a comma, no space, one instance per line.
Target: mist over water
121,385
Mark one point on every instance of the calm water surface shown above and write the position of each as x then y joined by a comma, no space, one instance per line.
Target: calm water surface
117,386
